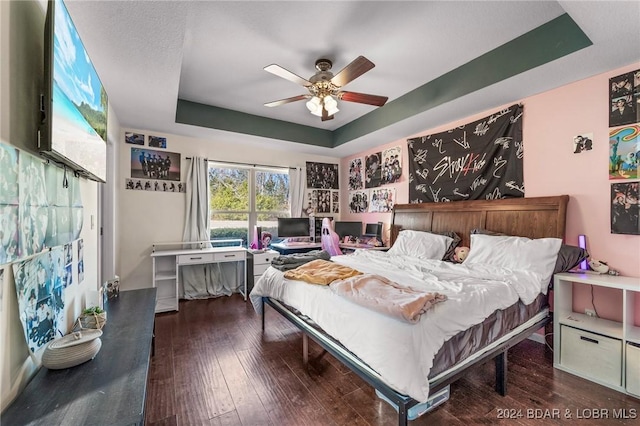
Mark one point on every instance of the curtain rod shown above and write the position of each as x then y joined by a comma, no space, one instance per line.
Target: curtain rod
247,164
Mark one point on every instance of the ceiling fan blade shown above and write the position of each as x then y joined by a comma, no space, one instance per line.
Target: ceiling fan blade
325,115
287,100
287,75
363,98
355,69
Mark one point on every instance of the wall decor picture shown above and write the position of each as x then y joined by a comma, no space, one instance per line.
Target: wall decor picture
335,202
391,165
481,160
134,138
624,94
355,174
34,212
582,143
373,170
154,185
323,200
624,148
157,142
358,201
80,261
39,285
382,200
625,208
9,204
151,164
322,176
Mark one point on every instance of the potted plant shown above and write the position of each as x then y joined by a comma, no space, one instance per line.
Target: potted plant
93,317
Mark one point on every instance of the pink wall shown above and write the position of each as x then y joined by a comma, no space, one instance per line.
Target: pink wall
551,120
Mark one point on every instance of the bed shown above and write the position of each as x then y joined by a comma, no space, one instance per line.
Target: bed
462,330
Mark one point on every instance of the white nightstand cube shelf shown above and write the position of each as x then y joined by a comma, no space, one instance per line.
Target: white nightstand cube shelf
597,349
261,261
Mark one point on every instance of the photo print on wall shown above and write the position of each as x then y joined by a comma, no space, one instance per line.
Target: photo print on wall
624,148
154,185
355,174
582,143
624,98
391,165
134,138
373,170
157,142
151,164
322,176
358,201
382,200
625,208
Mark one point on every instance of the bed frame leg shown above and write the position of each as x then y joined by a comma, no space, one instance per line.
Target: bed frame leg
501,373
305,349
402,414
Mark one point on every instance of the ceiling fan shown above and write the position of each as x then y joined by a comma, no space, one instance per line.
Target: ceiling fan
324,87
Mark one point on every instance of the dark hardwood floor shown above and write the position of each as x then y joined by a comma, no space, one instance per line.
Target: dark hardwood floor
214,366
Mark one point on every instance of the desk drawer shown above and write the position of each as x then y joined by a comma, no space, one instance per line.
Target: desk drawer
264,258
591,355
633,369
186,259
230,256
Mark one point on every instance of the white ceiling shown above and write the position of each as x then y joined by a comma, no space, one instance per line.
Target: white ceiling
150,53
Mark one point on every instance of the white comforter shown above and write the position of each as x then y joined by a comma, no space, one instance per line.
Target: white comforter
403,353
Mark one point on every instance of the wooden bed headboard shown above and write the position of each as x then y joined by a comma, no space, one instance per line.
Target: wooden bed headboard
536,217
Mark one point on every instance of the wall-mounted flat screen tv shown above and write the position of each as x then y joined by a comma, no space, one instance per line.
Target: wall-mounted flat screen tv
74,125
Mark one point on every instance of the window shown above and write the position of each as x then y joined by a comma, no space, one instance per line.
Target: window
242,197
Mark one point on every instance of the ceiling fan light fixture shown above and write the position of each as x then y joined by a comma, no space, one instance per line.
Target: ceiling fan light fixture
314,105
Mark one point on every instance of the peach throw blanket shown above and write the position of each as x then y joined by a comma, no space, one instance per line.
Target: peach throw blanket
387,297
320,272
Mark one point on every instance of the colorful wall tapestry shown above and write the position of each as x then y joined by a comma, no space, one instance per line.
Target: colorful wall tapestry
40,283
625,208
478,160
624,149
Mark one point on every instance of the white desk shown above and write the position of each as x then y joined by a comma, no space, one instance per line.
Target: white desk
166,270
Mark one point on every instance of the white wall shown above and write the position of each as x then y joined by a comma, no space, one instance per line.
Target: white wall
21,81
147,217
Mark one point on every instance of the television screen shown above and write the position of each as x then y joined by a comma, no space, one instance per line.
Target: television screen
75,103
348,229
291,227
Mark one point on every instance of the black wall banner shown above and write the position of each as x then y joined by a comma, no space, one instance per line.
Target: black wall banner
479,160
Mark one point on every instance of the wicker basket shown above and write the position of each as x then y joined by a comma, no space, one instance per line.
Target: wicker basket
96,321
71,350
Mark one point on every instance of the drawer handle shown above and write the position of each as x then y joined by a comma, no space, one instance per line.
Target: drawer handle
586,339
196,258
229,255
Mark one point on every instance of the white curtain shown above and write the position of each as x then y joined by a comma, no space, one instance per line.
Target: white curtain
210,280
297,177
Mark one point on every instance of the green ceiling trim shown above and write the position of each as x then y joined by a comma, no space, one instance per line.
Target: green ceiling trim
202,115
548,42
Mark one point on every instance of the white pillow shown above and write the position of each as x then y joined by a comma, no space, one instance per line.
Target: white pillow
424,245
516,253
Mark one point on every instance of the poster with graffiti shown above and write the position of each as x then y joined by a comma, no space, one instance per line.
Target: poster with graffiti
373,170
8,204
355,174
478,160
624,94
382,200
391,165
322,175
358,201
39,285
624,148
625,208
